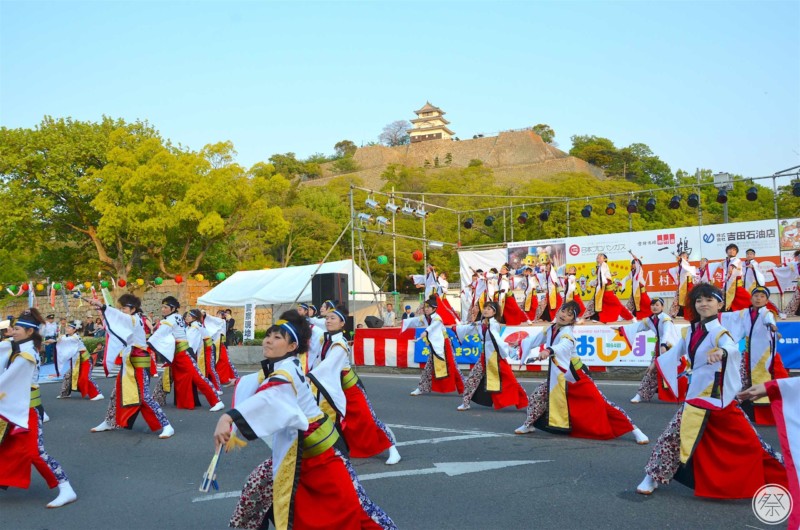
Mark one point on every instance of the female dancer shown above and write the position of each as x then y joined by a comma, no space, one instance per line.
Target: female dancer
508,308
571,289
491,381
308,482
569,402
364,433
666,338
440,373
169,339
70,349
21,436
529,283
760,361
639,302
710,445
607,307
683,274
549,283
200,342
125,342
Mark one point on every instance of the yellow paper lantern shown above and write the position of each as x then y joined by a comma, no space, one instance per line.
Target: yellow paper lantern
199,277
139,282
39,287
87,284
1,287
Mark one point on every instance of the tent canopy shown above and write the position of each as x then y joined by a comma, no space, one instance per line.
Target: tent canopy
282,286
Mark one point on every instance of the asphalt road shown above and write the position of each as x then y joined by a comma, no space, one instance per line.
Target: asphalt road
131,479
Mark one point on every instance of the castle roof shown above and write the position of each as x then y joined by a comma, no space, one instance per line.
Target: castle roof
430,118
428,108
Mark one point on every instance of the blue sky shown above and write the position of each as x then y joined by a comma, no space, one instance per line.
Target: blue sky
705,84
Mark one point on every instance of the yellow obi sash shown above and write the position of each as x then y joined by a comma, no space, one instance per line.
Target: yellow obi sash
693,421
138,358
493,383
349,378
36,397
321,439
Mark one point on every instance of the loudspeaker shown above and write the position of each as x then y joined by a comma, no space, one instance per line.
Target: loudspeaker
373,322
330,286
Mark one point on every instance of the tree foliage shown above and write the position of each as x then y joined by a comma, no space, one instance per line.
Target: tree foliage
545,131
345,148
636,163
395,133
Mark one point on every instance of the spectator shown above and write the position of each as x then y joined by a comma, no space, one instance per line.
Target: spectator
88,327
230,340
49,330
407,313
389,316
99,330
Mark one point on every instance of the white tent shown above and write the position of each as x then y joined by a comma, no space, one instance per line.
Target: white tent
282,286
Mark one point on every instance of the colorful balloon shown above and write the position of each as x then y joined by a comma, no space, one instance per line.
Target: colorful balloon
383,260
159,280
70,286
199,277
87,284
104,284
25,287
57,286
417,255
178,278
139,282
13,288
39,287
220,276
121,282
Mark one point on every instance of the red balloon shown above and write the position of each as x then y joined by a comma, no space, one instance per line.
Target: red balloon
70,286
178,278
122,283
25,287
417,255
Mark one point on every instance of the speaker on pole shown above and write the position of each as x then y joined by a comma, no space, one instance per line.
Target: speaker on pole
330,286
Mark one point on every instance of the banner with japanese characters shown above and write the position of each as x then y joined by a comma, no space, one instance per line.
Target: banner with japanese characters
760,236
657,249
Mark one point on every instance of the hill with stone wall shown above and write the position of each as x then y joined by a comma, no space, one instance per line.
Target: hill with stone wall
514,156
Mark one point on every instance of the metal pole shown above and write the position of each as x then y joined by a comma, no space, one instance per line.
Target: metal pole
458,231
699,209
775,197
725,213
504,225
353,248
630,222
511,218
567,218
394,243
424,244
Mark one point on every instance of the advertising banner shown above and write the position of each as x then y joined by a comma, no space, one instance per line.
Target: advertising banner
789,234
656,249
761,236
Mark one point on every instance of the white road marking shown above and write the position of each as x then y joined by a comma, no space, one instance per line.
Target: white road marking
451,469
441,429
446,439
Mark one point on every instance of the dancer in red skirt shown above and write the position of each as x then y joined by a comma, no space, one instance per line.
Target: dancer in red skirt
550,284
710,445
760,360
571,291
440,373
684,275
21,437
639,302
666,337
736,297
364,433
71,352
569,402
308,482
491,381
528,283
509,310
607,307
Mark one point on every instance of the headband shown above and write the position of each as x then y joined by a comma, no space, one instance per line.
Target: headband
25,324
659,299
339,314
718,296
328,303
760,289
304,306
285,324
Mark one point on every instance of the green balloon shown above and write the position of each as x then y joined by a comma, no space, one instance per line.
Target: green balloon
383,260
13,288
159,280
220,276
57,286
104,284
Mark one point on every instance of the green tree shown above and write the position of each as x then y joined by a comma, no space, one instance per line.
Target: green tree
345,165
345,148
545,131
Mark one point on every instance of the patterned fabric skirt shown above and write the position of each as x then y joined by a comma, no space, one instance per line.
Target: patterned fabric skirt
328,495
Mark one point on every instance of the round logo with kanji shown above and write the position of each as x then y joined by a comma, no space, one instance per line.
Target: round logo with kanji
772,504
